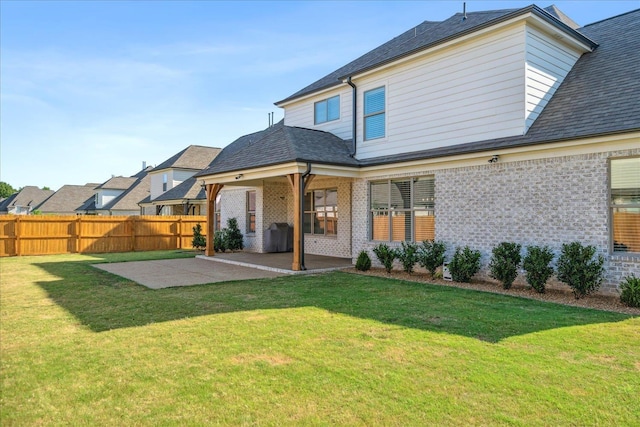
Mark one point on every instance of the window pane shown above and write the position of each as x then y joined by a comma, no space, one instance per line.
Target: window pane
625,181
307,223
424,227
379,195
307,202
332,222
401,194
333,108
401,226
318,200
251,201
380,225
321,111
318,223
374,126
251,220
374,101
626,229
424,193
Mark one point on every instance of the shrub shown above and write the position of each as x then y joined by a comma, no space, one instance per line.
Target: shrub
363,263
536,265
630,291
505,260
233,237
431,255
219,240
199,241
578,268
464,264
385,255
408,256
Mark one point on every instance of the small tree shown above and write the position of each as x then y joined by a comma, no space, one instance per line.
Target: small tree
504,263
363,263
385,255
6,190
408,256
199,241
219,240
536,264
630,291
431,255
464,264
578,268
233,236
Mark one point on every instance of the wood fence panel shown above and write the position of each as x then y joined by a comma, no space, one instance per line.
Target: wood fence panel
44,235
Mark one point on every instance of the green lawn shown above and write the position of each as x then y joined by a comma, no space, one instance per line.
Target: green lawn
80,346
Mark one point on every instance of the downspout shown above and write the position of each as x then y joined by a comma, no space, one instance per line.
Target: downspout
302,178
354,101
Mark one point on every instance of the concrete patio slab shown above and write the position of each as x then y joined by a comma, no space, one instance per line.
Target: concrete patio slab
168,273
280,262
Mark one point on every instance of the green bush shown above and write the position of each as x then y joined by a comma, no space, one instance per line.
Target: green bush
385,255
464,264
220,241
431,255
363,263
630,288
536,264
578,268
408,256
505,260
233,237
199,241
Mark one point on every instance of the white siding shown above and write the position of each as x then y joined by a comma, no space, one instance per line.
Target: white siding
179,176
156,184
471,92
548,63
301,113
106,196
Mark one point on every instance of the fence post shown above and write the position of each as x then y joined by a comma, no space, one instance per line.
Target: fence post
78,230
16,229
133,233
180,233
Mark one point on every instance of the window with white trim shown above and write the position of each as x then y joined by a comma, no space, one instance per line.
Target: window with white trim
251,211
321,212
625,204
374,113
402,209
164,182
327,110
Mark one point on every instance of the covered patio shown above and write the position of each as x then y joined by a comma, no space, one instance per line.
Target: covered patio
280,262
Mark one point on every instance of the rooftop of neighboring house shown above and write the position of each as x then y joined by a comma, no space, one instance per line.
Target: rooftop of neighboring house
117,183
68,198
598,97
129,199
196,157
29,196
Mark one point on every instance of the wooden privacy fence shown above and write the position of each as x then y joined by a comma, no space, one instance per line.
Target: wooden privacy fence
45,235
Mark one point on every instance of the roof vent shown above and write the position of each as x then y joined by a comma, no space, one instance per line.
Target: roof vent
464,11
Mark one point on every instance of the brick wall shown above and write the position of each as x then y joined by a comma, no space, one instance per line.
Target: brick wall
543,202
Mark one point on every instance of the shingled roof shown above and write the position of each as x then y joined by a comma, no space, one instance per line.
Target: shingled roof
118,183
190,189
281,144
429,34
68,199
30,196
129,199
195,157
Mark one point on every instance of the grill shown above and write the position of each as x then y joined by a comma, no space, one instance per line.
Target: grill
278,238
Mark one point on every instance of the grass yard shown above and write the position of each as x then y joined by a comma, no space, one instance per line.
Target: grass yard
80,346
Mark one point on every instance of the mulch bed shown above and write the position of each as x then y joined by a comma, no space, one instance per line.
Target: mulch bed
597,302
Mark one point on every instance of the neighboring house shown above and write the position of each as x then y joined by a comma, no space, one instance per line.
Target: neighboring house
119,196
170,174
25,201
509,125
68,199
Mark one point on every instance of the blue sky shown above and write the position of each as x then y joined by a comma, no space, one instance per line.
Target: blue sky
91,89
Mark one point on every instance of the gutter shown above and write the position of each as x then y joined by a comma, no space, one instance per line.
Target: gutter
354,101
302,178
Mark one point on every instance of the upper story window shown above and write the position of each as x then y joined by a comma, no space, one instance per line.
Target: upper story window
251,212
327,110
403,209
374,113
321,212
164,182
625,204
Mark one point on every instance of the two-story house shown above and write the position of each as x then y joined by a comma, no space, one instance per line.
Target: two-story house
173,188
24,201
510,125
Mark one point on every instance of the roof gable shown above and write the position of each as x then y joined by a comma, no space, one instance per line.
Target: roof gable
68,198
30,195
193,157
